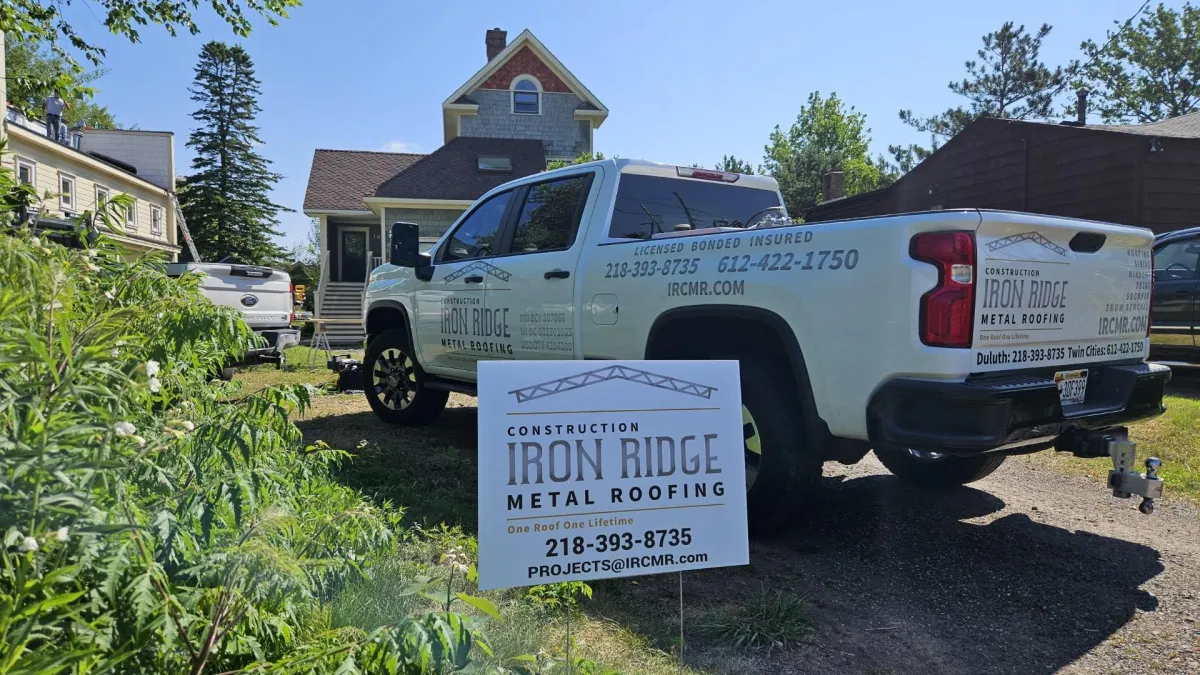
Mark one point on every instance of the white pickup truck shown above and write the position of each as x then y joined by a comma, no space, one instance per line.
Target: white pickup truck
264,297
945,341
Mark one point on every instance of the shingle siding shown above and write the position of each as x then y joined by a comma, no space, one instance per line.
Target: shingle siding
557,127
433,222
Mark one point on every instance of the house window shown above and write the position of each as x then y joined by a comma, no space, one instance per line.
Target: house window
26,172
156,219
526,96
495,163
66,191
131,216
102,197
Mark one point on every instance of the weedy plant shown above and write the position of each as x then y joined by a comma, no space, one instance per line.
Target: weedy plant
564,594
770,620
151,522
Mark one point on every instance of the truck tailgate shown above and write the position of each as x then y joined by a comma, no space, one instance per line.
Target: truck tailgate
262,295
1059,292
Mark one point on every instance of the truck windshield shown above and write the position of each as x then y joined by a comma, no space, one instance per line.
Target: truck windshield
649,205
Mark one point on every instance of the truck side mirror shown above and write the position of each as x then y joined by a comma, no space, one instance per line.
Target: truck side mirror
406,242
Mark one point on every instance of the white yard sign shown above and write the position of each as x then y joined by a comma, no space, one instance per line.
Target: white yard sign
596,469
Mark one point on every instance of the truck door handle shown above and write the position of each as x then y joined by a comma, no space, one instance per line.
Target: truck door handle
1182,294
473,280
557,274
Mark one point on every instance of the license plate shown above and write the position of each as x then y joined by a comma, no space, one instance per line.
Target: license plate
1072,386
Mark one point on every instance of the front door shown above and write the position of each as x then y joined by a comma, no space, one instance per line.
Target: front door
352,249
541,252
1173,317
454,327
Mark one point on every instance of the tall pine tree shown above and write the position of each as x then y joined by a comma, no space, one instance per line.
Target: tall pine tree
1008,80
225,199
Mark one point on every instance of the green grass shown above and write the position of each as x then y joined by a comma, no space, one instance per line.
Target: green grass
769,621
1173,437
297,371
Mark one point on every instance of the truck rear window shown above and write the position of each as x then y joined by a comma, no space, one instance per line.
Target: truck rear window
649,205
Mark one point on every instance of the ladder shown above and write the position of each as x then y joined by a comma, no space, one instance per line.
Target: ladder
187,236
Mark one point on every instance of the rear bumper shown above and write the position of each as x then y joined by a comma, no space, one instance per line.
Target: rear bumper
1011,409
277,341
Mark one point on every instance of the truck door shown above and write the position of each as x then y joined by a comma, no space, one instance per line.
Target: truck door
535,297
453,327
1173,318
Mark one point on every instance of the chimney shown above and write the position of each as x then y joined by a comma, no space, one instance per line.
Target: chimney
496,41
1081,106
833,186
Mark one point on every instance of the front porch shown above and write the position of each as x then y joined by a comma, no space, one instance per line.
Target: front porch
351,246
354,243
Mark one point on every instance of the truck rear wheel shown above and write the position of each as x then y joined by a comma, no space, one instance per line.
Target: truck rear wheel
394,382
782,465
935,471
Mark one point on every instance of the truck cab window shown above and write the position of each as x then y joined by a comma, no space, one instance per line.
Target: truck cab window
1176,260
650,205
550,215
475,236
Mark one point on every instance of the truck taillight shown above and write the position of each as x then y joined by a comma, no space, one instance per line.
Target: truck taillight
947,311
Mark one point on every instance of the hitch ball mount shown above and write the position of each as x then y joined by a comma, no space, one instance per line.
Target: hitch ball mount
1125,482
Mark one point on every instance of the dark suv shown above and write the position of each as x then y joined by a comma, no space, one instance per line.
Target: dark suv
1176,313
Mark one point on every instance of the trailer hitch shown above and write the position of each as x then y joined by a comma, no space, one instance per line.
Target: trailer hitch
1125,482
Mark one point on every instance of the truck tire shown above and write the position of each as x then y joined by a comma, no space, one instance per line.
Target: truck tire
940,473
394,382
788,462
225,373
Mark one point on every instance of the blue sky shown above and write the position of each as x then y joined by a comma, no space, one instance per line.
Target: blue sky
684,81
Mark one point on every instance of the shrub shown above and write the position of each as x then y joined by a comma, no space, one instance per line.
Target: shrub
151,524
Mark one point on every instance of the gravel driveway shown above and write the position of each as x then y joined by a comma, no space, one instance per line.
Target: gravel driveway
1025,572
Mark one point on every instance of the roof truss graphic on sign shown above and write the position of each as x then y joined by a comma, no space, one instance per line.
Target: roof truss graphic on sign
1035,237
479,266
612,373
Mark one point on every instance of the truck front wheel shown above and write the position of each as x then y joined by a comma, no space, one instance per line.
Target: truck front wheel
936,471
394,383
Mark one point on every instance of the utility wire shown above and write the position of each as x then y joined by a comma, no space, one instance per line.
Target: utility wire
1128,22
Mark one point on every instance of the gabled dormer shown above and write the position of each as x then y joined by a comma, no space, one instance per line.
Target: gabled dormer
525,92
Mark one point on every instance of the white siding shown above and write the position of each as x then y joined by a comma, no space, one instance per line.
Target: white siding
53,160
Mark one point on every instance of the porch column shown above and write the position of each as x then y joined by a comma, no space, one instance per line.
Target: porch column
385,254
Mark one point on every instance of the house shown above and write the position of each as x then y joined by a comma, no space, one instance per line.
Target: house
90,166
1142,174
519,111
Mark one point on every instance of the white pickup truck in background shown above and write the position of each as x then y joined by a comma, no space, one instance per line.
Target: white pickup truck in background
263,295
944,341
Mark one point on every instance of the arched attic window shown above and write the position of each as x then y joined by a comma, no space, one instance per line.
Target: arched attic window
526,95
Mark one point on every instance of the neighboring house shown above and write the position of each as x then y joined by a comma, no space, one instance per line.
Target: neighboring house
521,110
92,165
1132,174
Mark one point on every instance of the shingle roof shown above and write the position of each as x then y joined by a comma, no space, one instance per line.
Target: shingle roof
1184,126
340,178
452,171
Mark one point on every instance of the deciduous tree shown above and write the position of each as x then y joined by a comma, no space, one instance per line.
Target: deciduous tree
1149,71
826,136
734,165
43,22
31,69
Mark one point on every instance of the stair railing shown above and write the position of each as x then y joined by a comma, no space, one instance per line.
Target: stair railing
323,279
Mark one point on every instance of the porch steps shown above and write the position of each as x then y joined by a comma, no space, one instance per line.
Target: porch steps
343,300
